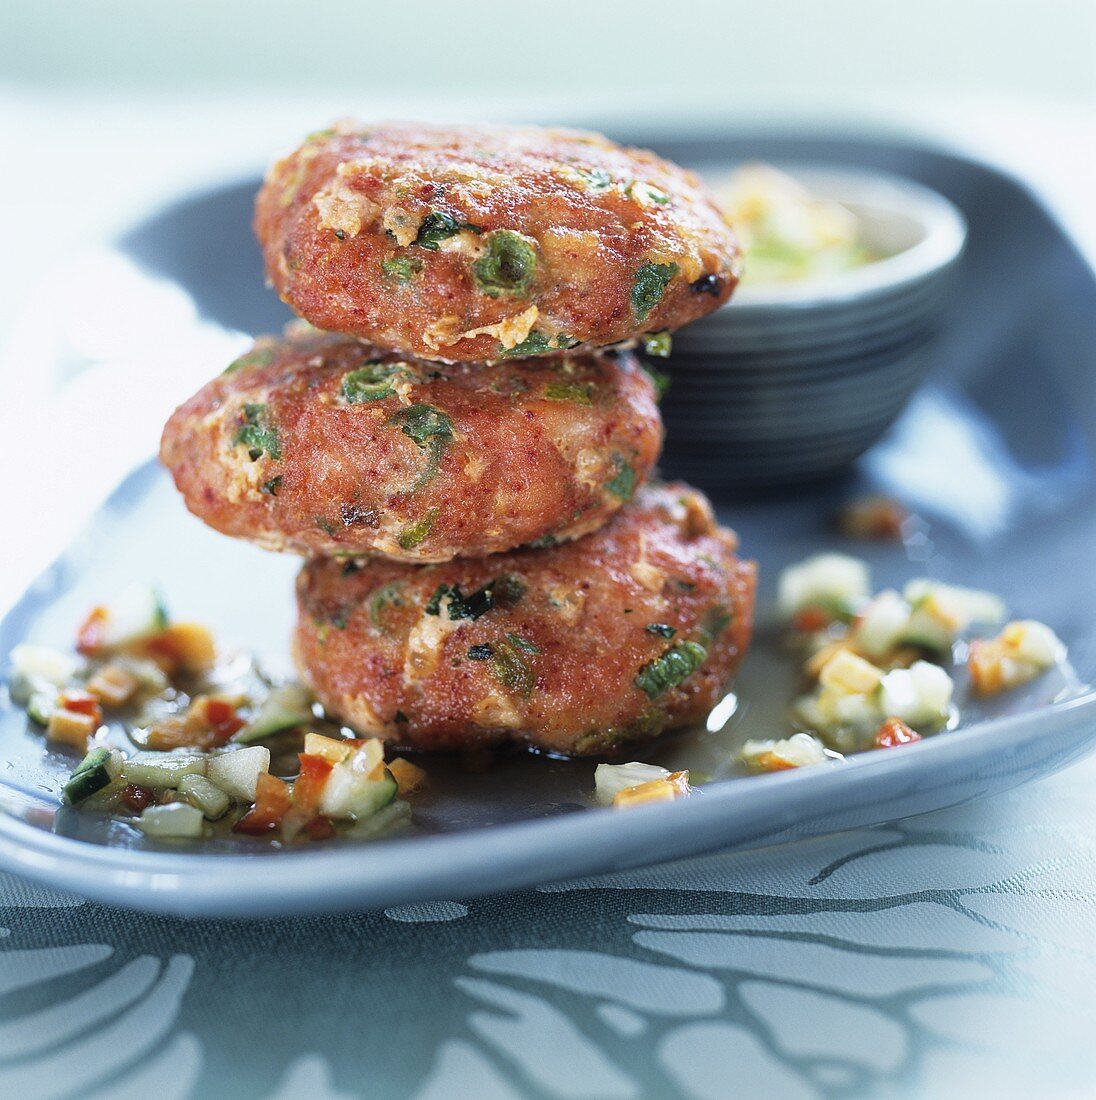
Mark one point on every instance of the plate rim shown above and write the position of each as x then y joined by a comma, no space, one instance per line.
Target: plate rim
265,884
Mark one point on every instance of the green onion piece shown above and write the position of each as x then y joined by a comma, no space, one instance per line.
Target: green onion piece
423,423
580,393
480,653
437,227
659,379
258,434
596,179
523,643
507,266
414,534
669,669
658,344
388,595
534,344
716,620
402,269
623,483
661,629
511,670
258,357
373,381
650,283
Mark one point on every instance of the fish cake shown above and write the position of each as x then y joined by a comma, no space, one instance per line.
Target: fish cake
475,243
323,445
583,649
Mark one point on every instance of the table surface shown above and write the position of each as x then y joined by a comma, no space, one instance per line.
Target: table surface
949,954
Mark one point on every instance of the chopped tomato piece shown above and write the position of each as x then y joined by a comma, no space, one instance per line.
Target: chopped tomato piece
137,798
894,732
82,702
811,619
90,636
272,802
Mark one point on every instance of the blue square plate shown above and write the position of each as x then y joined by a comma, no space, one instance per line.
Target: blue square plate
996,455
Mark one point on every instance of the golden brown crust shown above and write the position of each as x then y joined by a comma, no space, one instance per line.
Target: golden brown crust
303,448
351,222
558,660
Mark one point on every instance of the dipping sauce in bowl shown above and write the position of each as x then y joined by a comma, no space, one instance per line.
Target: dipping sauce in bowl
826,338
788,233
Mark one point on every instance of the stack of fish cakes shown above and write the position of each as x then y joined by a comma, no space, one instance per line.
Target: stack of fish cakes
452,444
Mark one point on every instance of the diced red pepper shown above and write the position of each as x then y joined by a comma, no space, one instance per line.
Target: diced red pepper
90,636
309,785
894,732
136,798
272,802
82,702
221,717
811,619
319,828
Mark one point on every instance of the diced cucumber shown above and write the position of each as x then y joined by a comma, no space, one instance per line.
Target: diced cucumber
388,819
237,772
349,794
925,631
136,613
92,774
285,708
611,779
41,705
207,796
177,820
160,770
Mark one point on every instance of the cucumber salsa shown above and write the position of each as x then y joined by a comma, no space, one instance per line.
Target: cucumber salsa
179,741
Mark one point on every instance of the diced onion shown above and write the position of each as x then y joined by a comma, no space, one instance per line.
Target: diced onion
611,779
835,581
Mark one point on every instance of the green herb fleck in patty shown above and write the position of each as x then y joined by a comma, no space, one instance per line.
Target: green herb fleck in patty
437,227
388,595
650,283
536,343
669,669
504,590
258,357
581,393
623,482
511,670
414,534
661,629
401,268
